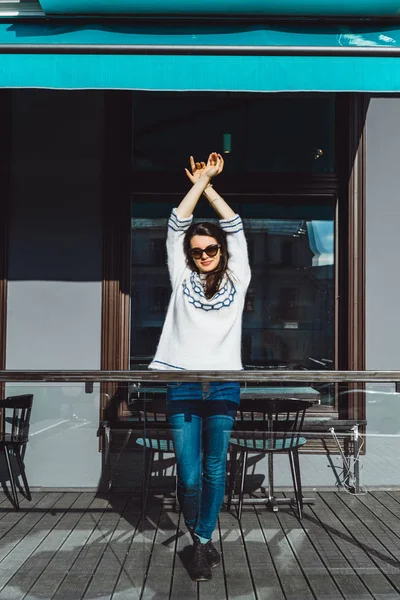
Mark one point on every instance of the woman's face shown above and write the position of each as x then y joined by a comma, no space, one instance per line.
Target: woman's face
205,263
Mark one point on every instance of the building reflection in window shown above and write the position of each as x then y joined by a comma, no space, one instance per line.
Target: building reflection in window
288,320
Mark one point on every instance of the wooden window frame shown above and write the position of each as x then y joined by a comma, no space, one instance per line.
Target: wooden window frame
5,169
116,247
348,181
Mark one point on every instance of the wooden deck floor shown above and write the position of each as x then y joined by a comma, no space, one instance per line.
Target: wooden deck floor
69,546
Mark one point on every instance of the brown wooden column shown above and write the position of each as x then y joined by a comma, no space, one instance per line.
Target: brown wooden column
5,164
116,242
351,114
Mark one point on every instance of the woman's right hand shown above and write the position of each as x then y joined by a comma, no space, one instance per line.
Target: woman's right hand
214,167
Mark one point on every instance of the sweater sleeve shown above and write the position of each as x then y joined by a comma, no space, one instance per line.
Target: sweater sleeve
175,235
237,247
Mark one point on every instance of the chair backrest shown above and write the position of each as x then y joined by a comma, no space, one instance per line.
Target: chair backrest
151,416
16,414
271,424
149,410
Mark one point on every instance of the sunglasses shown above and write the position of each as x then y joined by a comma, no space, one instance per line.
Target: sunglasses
211,251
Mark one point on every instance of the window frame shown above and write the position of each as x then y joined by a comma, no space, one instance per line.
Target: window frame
5,171
347,184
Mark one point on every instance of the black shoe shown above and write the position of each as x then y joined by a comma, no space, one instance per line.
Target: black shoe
212,555
199,569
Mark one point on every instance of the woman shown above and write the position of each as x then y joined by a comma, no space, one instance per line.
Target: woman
210,274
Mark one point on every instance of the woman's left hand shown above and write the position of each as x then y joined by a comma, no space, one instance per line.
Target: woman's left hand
214,167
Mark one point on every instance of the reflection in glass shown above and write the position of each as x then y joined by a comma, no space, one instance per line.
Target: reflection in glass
288,320
291,324
271,133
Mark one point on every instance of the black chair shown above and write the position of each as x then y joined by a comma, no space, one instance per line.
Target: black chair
267,426
15,417
156,438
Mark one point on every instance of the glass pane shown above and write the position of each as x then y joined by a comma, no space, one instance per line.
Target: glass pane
289,314
256,133
289,311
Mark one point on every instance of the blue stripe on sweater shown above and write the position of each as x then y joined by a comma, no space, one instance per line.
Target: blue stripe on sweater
168,365
178,219
174,228
234,231
225,222
179,226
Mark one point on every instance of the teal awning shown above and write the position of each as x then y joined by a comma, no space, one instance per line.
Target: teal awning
292,8
242,58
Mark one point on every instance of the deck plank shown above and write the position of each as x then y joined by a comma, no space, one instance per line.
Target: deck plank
381,544
389,500
131,579
293,583
395,495
356,539
379,511
79,577
215,588
77,536
238,576
28,559
335,561
311,565
11,516
265,578
159,577
24,529
182,585
76,546
33,569
115,551
239,581
6,504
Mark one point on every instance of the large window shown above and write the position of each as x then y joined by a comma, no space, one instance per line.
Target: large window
289,313
279,176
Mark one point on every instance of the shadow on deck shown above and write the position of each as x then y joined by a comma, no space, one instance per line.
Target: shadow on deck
82,545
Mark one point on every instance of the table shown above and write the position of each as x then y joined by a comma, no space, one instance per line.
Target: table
299,393
143,392
248,392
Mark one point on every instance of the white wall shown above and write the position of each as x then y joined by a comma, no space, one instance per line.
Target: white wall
55,273
382,289
383,233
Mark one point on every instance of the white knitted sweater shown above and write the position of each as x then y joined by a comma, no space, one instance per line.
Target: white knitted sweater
201,334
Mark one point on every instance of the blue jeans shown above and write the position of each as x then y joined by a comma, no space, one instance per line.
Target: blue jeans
201,418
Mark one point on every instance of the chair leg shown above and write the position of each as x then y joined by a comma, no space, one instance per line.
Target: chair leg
271,493
124,445
147,484
298,475
241,494
11,474
232,476
295,468
175,506
22,471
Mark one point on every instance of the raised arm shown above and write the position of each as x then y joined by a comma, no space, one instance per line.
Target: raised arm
200,177
230,222
220,206
181,217
199,171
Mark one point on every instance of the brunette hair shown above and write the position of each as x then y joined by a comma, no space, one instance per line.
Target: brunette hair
214,278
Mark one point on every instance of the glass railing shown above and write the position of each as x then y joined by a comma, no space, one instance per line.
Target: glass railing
77,415
104,439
